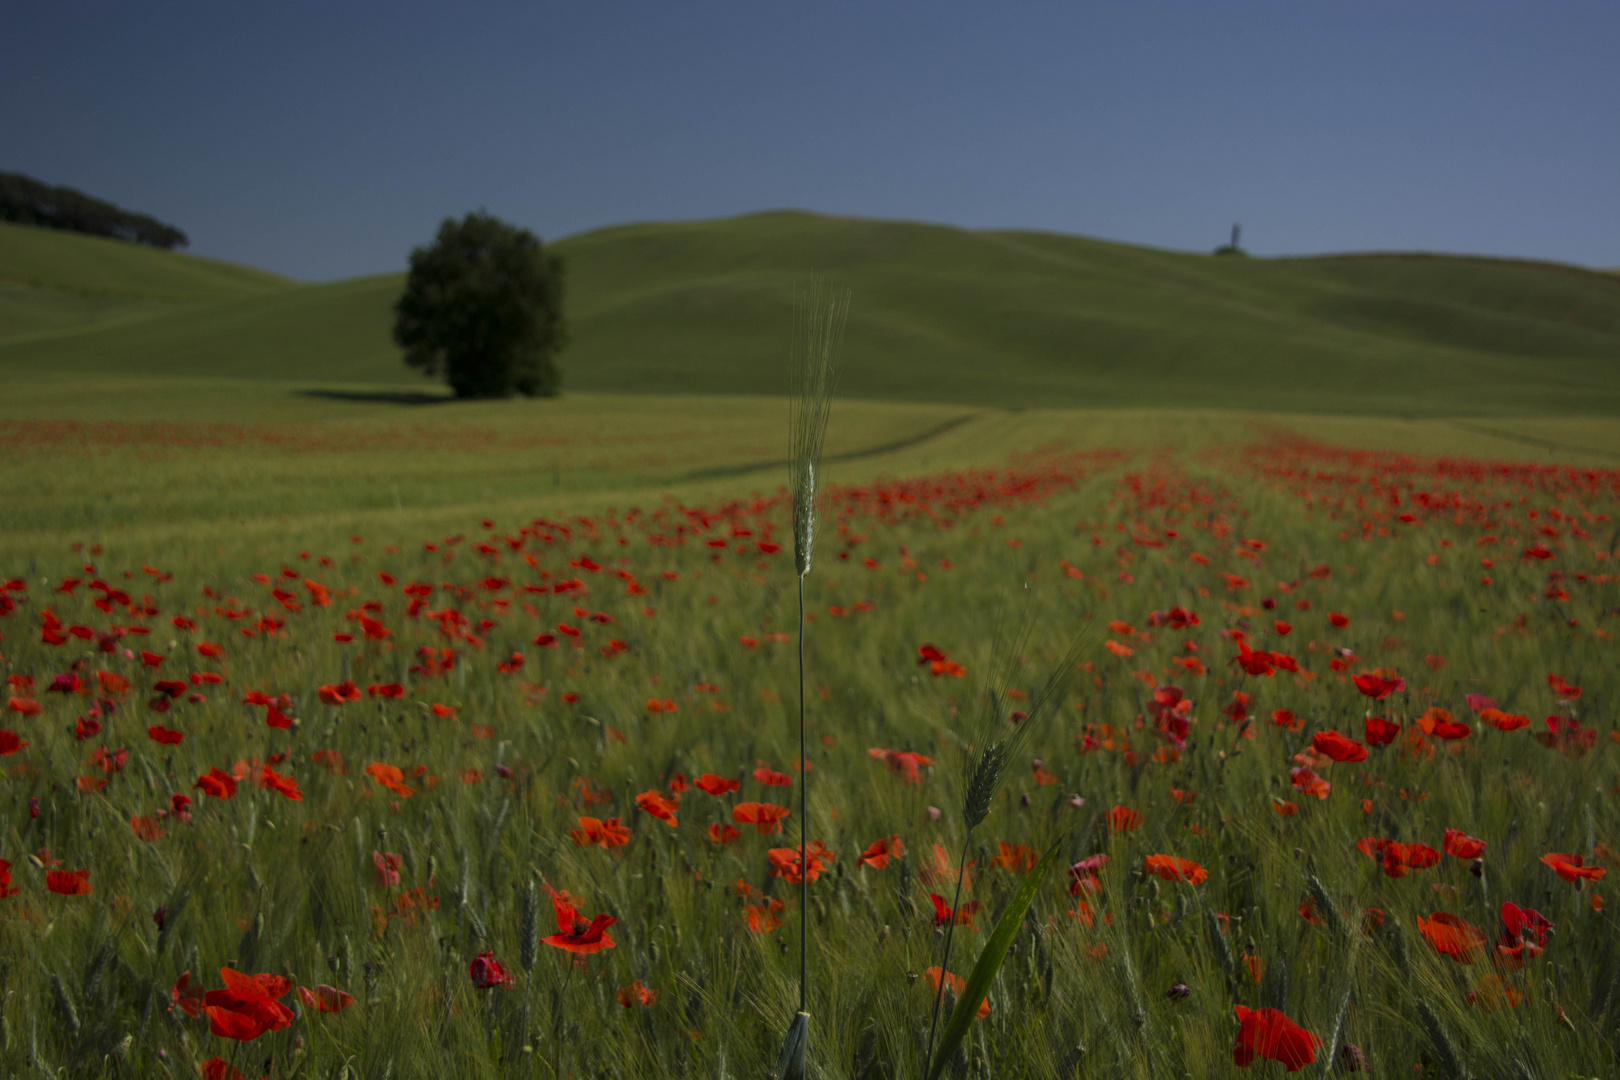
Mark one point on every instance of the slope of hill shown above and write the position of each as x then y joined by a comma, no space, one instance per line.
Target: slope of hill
53,281
1014,319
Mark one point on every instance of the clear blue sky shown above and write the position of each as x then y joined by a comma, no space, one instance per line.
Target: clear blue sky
326,140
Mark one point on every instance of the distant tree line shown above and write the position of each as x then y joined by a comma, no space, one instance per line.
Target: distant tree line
27,201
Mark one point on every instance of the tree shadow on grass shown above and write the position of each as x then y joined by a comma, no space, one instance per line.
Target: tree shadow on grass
380,397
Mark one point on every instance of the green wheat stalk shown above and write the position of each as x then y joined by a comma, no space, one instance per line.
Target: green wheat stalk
992,747
819,315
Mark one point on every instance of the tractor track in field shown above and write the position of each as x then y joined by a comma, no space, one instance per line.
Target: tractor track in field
722,472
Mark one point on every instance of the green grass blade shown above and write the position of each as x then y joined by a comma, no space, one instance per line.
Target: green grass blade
989,962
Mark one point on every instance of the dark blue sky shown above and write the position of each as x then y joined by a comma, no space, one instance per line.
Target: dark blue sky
326,140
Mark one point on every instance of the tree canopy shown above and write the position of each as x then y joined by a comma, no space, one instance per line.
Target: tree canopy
27,201
483,306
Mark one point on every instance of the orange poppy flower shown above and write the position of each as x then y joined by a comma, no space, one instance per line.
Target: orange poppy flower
1173,868
637,994
766,817
1572,867
1019,857
1503,721
957,984
880,851
785,861
724,835
390,777
654,803
1450,936
772,778
764,917
963,915
594,832
1122,819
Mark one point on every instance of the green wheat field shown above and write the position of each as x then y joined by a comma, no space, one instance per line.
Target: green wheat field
330,700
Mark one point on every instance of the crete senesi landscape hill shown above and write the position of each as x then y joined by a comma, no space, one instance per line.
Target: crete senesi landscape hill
1009,319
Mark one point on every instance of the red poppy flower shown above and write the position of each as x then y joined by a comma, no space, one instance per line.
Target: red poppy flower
10,743
210,650
325,999
785,861
1378,687
1173,868
339,693
274,781
25,706
147,829
956,984
1269,1034
393,691
766,817
724,835
1338,747
903,763
1450,936
68,882
1463,846
654,803
188,995
165,736
1502,721
1378,731
943,914
772,778
247,1007
486,974
1572,867
1304,778
880,851
217,1068
1439,723
6,888
716,785
1122,819
1397,859
1526,923
443,712
1338,619
575,935
1285,718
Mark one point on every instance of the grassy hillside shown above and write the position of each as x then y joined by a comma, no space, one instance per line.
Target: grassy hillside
1009,319
53,282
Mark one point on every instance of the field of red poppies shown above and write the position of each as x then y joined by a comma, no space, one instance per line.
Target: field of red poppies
1336,787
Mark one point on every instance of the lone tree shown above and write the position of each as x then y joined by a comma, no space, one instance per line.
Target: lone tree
483,304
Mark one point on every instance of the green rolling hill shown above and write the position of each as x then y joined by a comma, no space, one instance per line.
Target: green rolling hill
1013,319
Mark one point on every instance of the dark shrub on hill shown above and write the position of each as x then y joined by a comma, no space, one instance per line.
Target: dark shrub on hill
27,201
483,305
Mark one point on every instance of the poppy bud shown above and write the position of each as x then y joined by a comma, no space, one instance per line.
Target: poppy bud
1351,1059
1178,991
33,807
933,813
160,916
1269,604
1025,800
1477,868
